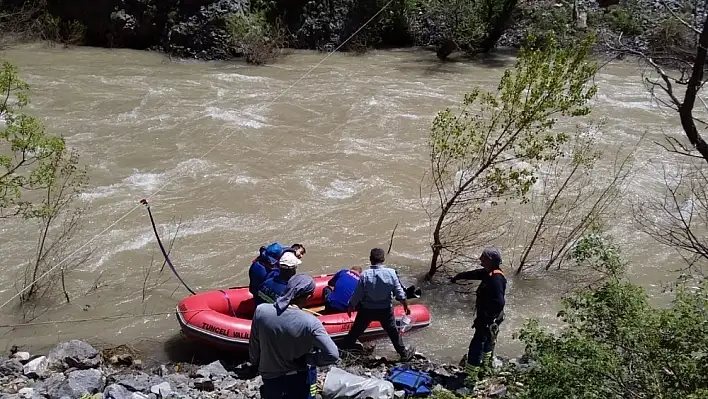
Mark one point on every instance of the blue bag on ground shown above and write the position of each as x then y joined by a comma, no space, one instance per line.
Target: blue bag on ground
413,382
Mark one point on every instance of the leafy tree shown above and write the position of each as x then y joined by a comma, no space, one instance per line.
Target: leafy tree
615,344
29,155
491,149
40,179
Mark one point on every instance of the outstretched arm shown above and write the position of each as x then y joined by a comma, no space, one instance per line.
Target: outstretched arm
476,274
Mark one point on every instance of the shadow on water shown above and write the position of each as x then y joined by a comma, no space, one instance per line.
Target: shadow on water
457,63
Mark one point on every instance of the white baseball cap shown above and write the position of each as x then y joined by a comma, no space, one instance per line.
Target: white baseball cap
289,260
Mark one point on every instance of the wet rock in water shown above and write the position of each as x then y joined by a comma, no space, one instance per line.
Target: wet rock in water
74,353
37,368
117,391
10,367
22,357
213,370
162,389
79,383
123,359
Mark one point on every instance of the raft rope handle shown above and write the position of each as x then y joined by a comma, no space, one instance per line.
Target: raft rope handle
228,301
164,253
110,226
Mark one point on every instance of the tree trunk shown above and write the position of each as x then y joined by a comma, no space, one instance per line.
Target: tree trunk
498,26
694,84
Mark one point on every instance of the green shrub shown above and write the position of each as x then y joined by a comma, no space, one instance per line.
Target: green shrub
615,344
624,19
254,38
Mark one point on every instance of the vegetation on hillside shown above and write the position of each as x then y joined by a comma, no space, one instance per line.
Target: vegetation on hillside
259,33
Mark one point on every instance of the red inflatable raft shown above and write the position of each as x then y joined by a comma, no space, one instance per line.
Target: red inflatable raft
223,317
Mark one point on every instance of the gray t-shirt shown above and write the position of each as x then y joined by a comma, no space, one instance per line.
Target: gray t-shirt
278,344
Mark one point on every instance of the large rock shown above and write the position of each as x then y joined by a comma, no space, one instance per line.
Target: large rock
79,383
138,382
10,367
37,368
74,353
203,34
51,384
214,370
117,391
162,389
21,356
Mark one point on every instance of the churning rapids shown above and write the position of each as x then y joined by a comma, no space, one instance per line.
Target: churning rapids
334,163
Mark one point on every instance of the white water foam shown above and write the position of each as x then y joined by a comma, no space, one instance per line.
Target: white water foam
237,77
135,239
242,118
146,182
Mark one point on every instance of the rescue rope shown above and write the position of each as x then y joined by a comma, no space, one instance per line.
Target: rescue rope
126,316
162,248
20,292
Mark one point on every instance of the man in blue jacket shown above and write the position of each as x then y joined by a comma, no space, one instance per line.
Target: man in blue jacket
489,309
268,260
340,288
262,265
276,282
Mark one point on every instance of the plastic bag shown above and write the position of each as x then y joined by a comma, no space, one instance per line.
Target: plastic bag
405,323
341,384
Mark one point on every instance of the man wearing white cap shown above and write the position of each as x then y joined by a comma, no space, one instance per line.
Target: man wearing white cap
276,282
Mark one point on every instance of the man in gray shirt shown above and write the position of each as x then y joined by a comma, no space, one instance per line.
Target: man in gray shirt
282,340
373,297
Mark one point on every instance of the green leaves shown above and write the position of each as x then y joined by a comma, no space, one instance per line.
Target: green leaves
615,344
516,123
30,159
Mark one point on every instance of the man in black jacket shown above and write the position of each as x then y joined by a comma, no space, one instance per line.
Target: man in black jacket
489,309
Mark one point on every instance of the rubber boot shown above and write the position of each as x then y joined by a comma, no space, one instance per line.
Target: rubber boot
312,381
473,374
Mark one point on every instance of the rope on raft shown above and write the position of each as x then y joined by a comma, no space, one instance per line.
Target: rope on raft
162,248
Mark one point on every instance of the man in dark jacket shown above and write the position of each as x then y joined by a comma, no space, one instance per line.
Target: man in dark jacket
489,309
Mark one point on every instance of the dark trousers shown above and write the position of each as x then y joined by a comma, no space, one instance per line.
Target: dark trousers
384,316
482,343
329,309
294,386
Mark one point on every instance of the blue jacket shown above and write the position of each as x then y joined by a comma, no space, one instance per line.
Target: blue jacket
262,265
343,284
273,288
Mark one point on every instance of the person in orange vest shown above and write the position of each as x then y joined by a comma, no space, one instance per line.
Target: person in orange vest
489,309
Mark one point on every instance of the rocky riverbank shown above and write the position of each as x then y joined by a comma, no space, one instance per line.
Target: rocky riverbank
223,29
76,370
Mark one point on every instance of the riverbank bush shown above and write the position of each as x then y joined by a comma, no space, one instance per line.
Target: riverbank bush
31,20
615,344
254,38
